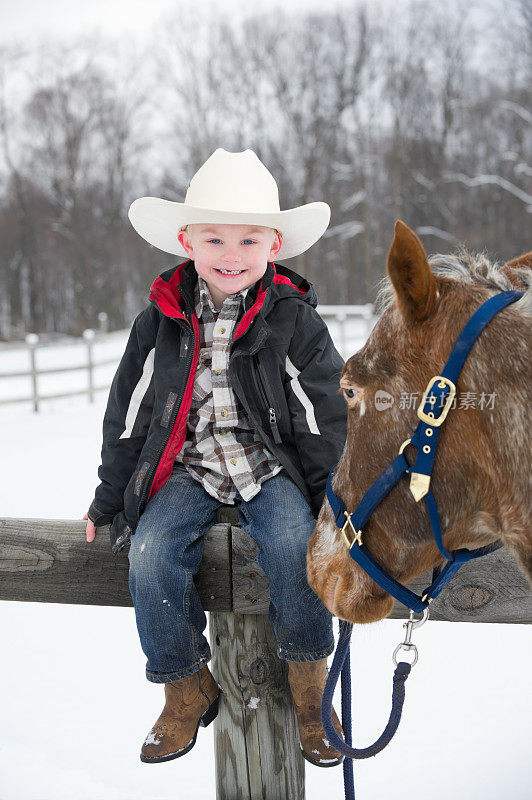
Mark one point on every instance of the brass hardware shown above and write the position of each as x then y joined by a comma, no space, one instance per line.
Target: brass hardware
358,534
405,443
429,417
429,432
419,485
426,448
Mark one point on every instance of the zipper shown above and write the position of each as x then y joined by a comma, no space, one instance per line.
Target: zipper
273,426
149,480
272,415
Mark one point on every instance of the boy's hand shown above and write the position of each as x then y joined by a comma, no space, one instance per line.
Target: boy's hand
91,530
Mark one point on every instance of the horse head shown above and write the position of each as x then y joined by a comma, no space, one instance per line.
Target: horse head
482,466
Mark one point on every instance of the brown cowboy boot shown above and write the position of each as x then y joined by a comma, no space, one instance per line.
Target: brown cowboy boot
190,702
307,682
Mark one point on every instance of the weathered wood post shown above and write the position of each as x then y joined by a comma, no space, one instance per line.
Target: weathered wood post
256,743
257,750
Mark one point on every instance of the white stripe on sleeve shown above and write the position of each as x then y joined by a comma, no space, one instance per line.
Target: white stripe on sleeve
302,396
138,394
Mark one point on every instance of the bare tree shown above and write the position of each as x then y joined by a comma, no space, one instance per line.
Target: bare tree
412,110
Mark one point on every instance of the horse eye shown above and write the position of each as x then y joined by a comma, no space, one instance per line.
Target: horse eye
349,392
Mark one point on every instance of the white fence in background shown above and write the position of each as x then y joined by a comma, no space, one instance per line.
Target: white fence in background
349,326
32,345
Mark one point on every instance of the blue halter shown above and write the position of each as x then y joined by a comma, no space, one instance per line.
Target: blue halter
439,394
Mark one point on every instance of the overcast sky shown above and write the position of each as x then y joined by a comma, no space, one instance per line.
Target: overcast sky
28,19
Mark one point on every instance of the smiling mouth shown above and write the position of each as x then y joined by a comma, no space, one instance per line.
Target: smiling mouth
231,273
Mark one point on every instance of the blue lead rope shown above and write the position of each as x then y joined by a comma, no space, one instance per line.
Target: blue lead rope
341,663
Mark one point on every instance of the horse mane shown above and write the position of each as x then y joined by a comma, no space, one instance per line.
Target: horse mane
469,268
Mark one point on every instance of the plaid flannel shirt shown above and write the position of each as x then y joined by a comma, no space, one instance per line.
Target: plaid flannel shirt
221,450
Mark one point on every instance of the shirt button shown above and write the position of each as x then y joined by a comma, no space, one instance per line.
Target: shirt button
217,371
224,412
221,330
233,461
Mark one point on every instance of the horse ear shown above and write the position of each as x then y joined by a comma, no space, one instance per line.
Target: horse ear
515,269
521,261
409,271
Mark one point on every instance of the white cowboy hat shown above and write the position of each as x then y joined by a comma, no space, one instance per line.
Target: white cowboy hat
234,188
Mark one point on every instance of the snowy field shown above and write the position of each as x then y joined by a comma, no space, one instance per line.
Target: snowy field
76,704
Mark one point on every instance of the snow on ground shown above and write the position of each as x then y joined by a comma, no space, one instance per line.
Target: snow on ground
76,705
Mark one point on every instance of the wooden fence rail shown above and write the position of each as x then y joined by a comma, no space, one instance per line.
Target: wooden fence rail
256,744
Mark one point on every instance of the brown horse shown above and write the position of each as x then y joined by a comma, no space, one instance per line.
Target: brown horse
482,468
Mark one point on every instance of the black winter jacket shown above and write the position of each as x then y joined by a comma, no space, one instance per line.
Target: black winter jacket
283,367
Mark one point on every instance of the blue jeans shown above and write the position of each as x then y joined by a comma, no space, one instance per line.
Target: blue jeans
166,551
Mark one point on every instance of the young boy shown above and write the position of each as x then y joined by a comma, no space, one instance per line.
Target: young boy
227,393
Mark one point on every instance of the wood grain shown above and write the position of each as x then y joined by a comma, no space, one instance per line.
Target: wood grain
257,750
50,561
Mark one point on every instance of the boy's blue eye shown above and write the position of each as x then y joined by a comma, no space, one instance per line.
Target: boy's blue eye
245,241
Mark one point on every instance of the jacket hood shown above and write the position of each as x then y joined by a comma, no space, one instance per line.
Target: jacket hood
173,290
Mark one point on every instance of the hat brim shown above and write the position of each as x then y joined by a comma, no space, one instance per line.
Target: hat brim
158,221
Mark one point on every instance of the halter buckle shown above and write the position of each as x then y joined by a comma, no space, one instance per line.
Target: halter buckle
429,417
358,534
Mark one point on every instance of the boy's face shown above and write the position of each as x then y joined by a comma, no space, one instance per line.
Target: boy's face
230,257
